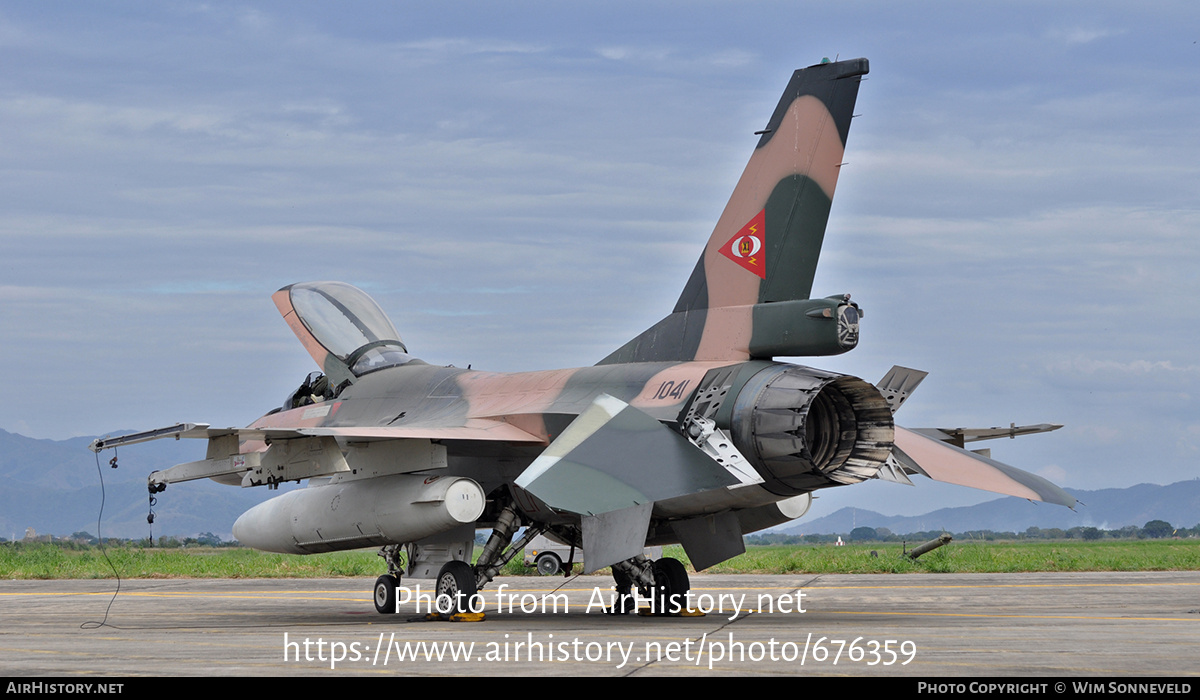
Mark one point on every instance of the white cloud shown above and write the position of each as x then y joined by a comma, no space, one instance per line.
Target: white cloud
1082,35
1053,473
1137,368
468,46
634,53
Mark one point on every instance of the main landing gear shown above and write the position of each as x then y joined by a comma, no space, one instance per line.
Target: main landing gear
664,582
455,588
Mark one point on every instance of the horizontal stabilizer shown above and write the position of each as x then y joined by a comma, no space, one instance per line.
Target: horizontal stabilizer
597,464
940,461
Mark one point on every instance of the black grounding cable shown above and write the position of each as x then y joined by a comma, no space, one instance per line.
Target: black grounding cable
92,624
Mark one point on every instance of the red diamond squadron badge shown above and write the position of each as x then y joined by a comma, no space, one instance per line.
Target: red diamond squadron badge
747,247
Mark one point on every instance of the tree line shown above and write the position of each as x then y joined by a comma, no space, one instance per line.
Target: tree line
1154,529
86,540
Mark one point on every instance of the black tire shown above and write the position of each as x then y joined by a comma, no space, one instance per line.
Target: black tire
548,564
455,588
671,585
385,594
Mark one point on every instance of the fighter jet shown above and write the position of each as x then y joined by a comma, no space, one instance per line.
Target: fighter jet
689,433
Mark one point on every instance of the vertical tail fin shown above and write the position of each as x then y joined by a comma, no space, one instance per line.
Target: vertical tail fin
746,297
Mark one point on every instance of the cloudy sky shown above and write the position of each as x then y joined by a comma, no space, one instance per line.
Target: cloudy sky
528,188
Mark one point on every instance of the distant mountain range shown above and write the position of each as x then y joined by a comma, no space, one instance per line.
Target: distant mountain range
53,487
1107,509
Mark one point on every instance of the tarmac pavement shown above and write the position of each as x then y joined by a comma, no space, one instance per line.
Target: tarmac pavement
919,625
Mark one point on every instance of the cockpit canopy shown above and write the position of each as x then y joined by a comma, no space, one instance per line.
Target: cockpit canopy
343,329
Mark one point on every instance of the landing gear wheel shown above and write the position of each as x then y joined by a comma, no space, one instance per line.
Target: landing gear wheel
385,594
455,588
671,586
548,564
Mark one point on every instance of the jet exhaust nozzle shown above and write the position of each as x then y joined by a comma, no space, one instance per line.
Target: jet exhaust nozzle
805,429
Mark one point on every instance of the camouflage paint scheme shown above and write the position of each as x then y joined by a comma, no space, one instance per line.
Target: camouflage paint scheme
651,425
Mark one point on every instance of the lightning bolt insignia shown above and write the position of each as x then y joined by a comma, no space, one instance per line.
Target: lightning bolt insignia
747,248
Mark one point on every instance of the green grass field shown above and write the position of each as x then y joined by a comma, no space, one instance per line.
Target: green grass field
45,561
972,557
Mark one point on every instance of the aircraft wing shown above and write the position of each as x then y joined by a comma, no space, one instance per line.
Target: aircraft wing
179,430
919,453
304,452
474,429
